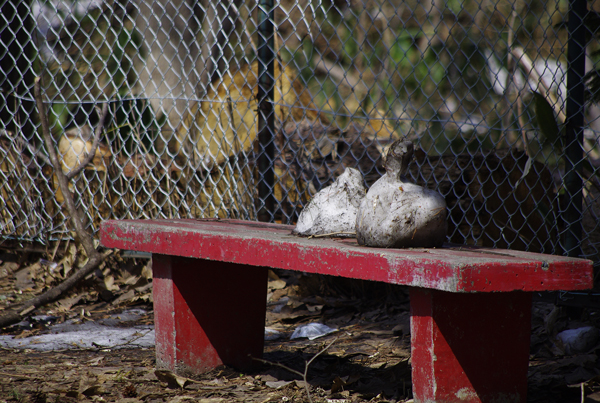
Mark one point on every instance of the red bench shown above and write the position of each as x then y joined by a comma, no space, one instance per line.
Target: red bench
470,307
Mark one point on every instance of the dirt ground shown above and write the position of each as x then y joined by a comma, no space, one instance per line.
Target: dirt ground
366,360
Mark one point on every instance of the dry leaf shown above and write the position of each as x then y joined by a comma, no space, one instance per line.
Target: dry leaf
24,281
36,272
66,304
109,283
142,286
145,298
225,125
172,380
8,268
27,333
95,361
68,258
277,384
178,399
147,271
300,384
128,296
93,390
277,284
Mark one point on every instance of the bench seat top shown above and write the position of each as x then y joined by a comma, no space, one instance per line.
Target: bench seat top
450,268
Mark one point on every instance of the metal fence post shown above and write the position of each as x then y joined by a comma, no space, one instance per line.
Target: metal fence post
572,211
266,115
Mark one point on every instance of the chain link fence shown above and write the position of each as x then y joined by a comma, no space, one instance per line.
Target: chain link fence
479,86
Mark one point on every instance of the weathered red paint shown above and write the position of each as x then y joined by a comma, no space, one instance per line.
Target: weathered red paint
470,307
207,313
469,347
164,306
455,269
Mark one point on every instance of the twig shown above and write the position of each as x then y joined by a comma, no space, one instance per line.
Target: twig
524,60
16,376
90,156
276,364
237,147
306,365
128,342
340,75
439,210
519,99
77,221
510,81
318,354
521,119
310,362
544,90
332,233
13,315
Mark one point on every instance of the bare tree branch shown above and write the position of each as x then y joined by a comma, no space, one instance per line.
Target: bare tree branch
521,57
14,315
77,221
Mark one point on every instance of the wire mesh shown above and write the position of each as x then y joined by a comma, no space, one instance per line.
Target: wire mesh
479,86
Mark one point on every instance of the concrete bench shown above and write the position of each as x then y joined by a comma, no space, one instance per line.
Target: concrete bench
470,307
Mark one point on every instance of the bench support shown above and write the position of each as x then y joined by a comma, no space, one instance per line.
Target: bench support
469,347
207,313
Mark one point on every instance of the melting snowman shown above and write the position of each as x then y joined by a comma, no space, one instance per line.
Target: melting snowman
396,213
332,211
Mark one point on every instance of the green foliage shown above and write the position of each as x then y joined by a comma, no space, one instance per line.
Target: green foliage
411,65
96,51
93,57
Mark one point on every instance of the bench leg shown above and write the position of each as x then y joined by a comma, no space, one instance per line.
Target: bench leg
469,347
207,313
